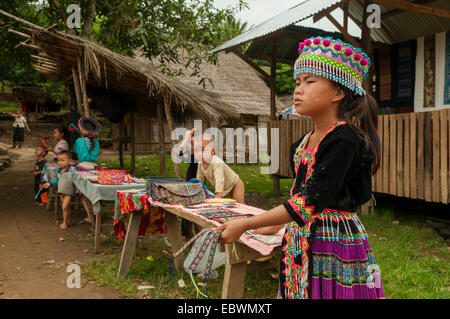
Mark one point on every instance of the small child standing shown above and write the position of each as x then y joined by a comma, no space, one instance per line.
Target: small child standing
40,152
224,180
66,188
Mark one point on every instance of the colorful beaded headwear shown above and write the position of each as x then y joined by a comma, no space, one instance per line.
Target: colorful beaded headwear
88,126
338,61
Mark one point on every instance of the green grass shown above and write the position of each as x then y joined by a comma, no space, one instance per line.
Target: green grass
254,181
9,106
156,273
414,261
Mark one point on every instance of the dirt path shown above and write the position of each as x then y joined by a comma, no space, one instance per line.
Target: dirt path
29,238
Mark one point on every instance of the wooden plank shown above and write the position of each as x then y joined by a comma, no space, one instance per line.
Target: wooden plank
392,154
448,152
98,226
379,175
409,6
400,146
406,171
176,242
420,159
428,159
386,154
413,154
129,245
445,154
234,281
435,195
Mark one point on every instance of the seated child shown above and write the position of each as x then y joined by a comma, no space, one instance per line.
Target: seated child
224,180
40,152
66,188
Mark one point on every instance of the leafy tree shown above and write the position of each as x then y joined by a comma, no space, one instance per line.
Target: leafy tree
231,28
172,31
285,82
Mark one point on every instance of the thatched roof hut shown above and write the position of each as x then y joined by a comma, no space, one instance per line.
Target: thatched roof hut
235,83
90,66
61,54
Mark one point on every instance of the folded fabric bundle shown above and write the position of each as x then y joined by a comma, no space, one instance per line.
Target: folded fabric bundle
186,194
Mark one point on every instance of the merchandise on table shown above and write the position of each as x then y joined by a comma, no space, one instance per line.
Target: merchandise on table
223,216
149,181
127,202
110,177
185,194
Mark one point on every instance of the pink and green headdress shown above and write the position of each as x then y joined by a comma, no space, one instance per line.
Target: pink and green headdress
336,60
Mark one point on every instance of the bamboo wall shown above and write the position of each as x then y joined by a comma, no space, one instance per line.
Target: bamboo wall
415,153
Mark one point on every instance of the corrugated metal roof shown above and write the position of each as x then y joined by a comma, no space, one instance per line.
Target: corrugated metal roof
406,25
295,14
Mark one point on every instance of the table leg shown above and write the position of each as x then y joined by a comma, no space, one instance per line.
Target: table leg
234,280
98,224
130,244
176,241
49,198
56,206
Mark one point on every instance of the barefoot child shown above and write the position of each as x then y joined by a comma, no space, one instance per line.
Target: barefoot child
40,152
325,252
66,188
211,167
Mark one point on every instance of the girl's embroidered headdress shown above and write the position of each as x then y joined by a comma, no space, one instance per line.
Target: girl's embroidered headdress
336,60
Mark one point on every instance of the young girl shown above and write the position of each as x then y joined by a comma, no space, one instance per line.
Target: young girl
60,135
87,150
325,252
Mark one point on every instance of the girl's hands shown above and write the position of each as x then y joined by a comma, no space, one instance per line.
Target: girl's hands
46,185
269,230
232,230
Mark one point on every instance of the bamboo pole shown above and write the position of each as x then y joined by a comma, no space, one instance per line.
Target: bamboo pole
83,88
169,117
132,145
162,155
76,85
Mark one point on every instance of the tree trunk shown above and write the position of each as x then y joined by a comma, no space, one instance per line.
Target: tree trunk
62,13
87,26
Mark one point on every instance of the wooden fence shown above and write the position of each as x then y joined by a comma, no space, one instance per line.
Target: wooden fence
415,153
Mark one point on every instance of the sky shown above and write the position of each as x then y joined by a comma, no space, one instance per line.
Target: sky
259,10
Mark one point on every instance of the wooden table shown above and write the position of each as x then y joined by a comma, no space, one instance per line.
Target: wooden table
235,268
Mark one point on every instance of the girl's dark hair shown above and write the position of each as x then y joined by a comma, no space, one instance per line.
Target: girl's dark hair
360,112
91,139
63,130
